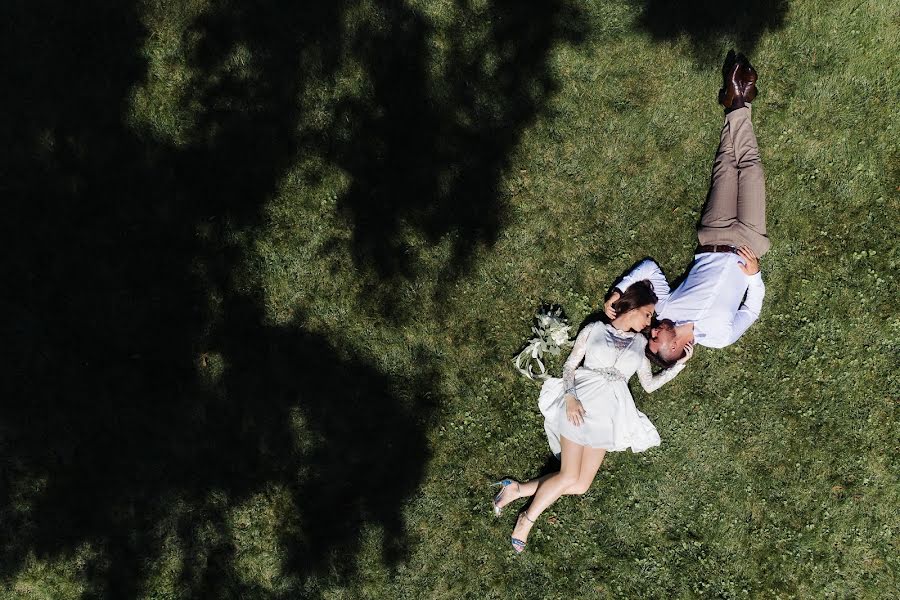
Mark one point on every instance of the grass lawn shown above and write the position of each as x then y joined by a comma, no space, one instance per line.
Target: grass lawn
267,265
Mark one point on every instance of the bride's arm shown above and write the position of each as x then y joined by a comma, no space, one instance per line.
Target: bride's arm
651,382
575,358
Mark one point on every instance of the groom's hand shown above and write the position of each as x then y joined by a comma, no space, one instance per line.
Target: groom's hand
608,305
751,262
688,353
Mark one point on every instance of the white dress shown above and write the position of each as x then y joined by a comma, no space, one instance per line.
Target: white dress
611,419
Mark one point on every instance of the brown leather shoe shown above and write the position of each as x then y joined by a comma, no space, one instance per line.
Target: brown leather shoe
749,77
732,89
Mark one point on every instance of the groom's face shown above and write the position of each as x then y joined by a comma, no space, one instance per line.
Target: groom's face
662,342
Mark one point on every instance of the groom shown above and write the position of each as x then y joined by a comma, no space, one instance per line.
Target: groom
723,291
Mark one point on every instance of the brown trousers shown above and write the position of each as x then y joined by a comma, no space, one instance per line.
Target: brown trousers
735,211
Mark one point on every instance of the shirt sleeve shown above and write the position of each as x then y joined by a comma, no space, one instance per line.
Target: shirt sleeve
750,309
575,358
647,269
651,382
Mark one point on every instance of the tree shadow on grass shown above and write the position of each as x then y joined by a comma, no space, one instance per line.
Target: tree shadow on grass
145,397
711,25
438,139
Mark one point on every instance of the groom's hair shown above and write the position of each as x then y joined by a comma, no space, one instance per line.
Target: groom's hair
658,360
655,358
638,294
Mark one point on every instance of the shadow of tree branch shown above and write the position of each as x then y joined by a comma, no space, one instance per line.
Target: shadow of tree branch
144,394
711,25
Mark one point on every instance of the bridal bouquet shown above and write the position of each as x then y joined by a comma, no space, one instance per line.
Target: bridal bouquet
551,335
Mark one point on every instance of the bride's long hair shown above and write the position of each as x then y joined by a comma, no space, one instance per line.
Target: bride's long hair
638,294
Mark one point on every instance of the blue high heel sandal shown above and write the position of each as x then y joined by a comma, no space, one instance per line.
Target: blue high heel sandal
517,544
504,483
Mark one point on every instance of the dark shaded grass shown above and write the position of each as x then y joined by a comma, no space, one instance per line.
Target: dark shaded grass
141,383
709,23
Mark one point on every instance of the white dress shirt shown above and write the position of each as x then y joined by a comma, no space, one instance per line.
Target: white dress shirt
711,297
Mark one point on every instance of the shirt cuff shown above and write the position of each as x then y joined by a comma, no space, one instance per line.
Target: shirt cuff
756,279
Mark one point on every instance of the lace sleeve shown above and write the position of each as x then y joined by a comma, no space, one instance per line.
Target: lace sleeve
575,358
651,382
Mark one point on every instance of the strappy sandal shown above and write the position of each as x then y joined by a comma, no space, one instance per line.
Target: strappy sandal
505,483
517,544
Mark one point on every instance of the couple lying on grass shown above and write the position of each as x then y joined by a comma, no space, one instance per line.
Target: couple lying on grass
590,410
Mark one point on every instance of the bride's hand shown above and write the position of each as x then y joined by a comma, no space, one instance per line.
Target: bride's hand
574,410
688,353
608,305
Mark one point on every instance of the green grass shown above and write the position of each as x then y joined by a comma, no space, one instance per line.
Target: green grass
778,472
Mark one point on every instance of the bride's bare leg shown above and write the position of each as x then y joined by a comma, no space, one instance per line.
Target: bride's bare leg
590,464
521,489
591,460
530,487
552,487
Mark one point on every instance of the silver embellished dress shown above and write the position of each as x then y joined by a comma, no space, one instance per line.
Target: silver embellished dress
610,357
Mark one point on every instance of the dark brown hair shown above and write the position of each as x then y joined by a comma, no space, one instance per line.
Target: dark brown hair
638,294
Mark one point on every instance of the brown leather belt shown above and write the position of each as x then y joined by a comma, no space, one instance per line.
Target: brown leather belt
715,248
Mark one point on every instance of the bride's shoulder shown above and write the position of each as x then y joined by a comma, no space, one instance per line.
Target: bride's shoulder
592,326
640,340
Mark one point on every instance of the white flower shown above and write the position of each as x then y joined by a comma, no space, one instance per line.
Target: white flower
551,334
560,336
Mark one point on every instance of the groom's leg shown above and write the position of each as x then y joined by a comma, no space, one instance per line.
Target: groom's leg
735,213
751,201
720,211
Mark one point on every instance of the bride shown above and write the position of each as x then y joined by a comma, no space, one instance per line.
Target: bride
590,410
